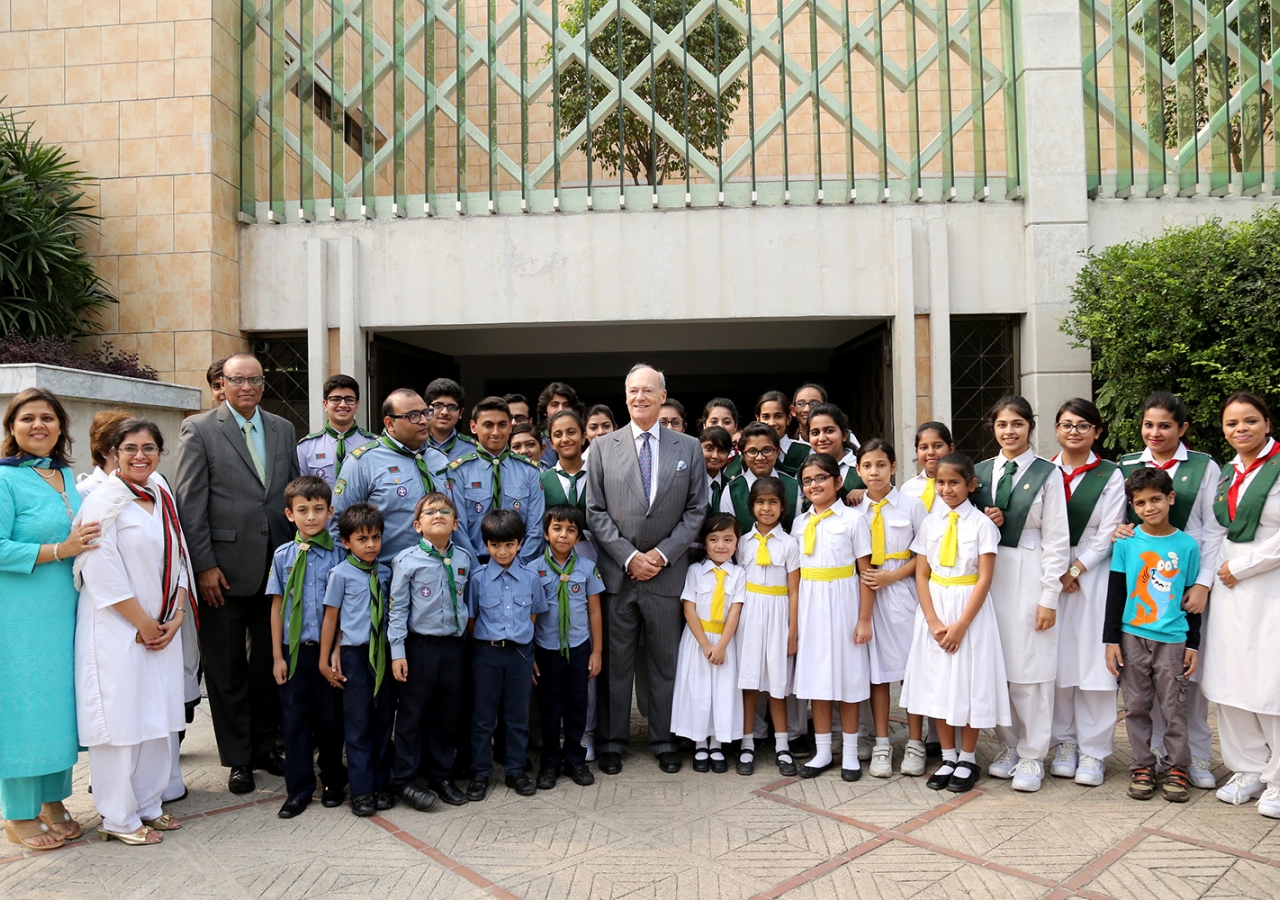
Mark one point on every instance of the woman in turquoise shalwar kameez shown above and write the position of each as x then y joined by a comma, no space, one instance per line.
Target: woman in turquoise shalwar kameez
38,499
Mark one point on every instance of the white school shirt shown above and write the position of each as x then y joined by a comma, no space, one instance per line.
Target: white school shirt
914,487
1202,524
847,462
977,535
1109,513
1047,520
784,550
903,515
835,546
700,587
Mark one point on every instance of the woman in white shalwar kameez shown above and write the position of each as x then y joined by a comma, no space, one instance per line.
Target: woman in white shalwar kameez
1084,701
129,669
1242,670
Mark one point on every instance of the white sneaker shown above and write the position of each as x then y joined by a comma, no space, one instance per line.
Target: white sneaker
865,746
1065,759
881,762
1201,774
589,743
1004,763
1269,804
1090,770
913,760
1028,775
1241,788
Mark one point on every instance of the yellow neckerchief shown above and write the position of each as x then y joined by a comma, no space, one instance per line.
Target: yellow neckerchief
950,541
811,529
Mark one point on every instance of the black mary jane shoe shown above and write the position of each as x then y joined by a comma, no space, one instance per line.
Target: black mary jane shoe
719,764
786,765
851,774
941,777
964,777
701,761
332,797
814,771
364,806
447,790
293,806
580,774
746,763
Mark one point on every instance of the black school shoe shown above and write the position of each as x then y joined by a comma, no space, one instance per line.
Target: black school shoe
941,777
815,771
447,790
384,800
477,790
581,775
719,764
786,764
964,778
746,763
332,797
241,780
521,784
701,761
364,805
851,774
416,797
547,776
293,806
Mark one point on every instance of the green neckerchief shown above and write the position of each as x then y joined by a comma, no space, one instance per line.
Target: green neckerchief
1244,527
292,612
354,431
1186,485
562,595
1027,489
447,562
497,472
428,485
377,609
1084,499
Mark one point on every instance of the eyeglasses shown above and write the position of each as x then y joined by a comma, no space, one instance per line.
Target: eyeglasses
446,408
520,420
241,380
818,480
414,416
442,511
805,404
341,401
671,423
135,450
756,452
1078,427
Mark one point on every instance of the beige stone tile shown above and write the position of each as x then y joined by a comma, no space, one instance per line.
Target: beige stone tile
155,234
226,236
192,193
199,273
138,10
84,46
192,232
182,154
102,12
173,272
46,87
65,13
174,116
155,41
63,124
101,159
120,43
119,81
30,15
46,49
119,236
1171,870
193,39
173,311
157,349
155,195
226,197
226,13
138,119
138,156
192,76
84,84
137,274
192,349
155,79
226,276
13,50
225,343
226,313
13,86
138,311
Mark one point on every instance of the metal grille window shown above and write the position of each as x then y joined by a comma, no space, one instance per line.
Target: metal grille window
284,365
984,368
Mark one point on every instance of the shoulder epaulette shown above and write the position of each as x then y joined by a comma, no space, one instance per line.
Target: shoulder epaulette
363,449
369,434
461,459
314,434
524,459
465,438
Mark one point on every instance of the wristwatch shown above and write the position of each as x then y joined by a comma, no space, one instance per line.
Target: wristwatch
1074,571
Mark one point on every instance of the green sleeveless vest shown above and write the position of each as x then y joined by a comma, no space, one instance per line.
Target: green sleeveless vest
1243,528
1024,494
1186,485
796,455
1085,498
740,494
553,491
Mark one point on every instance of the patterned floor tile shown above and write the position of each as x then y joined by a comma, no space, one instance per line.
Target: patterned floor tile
1163,869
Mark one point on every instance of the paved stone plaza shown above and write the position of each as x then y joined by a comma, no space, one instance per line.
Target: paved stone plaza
647,835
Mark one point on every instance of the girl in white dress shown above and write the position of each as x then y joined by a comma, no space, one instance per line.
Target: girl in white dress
832,663
1242,671
767,631
129,677
707,707
955,672
888,521
1084,701
1195,479
933,441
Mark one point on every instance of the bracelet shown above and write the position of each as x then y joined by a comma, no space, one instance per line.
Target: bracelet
55,553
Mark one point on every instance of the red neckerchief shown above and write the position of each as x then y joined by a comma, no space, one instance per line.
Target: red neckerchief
174,558
1068,477
1233,492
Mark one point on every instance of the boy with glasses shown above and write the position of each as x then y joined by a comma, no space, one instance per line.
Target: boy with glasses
445,398
322,452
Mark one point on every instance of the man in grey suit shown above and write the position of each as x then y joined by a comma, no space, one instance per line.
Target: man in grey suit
646,499
232,467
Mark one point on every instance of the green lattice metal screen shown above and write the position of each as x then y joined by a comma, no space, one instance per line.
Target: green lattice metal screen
403,107
1178,96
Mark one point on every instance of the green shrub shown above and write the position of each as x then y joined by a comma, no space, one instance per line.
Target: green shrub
1195,311
48,286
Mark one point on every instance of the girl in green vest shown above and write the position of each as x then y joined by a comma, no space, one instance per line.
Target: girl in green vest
806,397
1243,671
566,482
1084,701
599,420
1195,476
933,441
721,412
759,448
773,410
829,434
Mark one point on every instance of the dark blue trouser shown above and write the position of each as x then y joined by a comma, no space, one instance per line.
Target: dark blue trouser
430,704
562,703
311,707
503,678
367,721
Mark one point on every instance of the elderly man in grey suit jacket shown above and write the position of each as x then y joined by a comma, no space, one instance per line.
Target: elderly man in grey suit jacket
646,499
233,464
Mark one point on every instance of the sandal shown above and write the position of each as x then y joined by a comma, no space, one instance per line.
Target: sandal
62,823
27,831
143,836
165,823
1142,783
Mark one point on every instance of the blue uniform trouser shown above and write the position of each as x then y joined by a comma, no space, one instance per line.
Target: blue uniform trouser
367,722
309,706
504,680
562,703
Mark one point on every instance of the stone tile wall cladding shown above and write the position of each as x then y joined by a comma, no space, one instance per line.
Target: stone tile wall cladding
143,93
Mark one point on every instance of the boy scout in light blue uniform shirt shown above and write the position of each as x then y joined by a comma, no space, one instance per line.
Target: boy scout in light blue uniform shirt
322,452
444,397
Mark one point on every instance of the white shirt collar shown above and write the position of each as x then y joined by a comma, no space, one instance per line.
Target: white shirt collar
636,430
1266,448
1180,454
892,497
1057,461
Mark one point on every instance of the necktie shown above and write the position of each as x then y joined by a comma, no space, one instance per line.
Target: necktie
762,552
811,530
930,492
717,596
342,442
1068,477
877,533
497,473
1233,492
717,491
572,493
248,429
646,466
447,562
950,541
428,485
293,588
1005,491
562,596
377,608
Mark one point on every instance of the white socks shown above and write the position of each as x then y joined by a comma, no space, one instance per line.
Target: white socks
781,743
969,756
849,751
821,751
749,743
